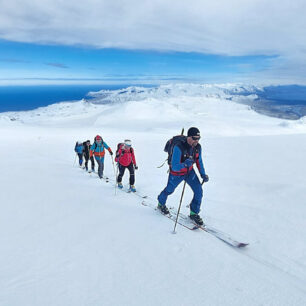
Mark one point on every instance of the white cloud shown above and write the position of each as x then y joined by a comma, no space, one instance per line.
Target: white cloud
237,27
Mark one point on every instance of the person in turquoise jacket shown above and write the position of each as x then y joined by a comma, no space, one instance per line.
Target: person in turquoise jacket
98,151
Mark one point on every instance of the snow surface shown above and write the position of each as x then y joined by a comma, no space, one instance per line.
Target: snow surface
67,239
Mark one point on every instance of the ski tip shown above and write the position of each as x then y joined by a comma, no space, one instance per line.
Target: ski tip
242,245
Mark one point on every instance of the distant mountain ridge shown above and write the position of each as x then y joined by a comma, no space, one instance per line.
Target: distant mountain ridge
134,93
287,102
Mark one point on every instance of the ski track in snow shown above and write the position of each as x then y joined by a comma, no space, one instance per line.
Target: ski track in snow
67,239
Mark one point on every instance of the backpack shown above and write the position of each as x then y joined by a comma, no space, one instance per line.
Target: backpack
119,146
176,140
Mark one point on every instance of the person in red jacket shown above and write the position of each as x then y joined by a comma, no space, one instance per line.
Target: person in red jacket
125,158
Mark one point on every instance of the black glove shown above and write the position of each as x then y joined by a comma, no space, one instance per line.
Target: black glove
111,153
205,178
136,167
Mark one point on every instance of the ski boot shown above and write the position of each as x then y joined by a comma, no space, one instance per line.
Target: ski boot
132,188
196,219
120,185
163,209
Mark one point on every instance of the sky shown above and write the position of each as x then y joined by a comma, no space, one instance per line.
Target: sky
151,41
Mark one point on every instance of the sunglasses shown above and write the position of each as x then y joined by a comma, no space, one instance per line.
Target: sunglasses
195,137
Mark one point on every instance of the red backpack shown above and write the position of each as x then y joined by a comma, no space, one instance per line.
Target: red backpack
120,146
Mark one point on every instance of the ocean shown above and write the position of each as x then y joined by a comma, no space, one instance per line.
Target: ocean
285,101
23,98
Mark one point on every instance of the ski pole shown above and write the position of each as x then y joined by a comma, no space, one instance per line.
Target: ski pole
180,204
74,159
162,163
117,170
115,175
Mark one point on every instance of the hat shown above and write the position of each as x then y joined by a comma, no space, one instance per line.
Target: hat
127,142
193,131
98,138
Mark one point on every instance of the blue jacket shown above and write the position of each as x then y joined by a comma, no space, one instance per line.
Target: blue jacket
178,166
78,148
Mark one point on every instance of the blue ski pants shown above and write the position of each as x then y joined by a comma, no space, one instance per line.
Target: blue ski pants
80,155
192,180
100,162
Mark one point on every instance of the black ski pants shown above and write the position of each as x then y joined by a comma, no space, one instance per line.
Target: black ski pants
130,167
91,160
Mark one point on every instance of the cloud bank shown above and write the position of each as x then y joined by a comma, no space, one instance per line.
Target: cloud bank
237,27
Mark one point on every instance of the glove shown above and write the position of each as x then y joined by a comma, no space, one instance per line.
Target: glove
136,167
111,153
205,178
188,163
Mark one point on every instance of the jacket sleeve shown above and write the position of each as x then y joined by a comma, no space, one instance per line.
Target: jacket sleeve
200,164
91,150
176,164
107,147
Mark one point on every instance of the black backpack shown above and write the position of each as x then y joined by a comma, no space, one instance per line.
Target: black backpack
176,140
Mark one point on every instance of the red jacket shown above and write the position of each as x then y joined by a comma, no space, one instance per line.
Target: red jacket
125,156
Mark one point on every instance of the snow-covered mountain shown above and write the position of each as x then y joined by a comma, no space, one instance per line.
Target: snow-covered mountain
223,91
173,105
69,239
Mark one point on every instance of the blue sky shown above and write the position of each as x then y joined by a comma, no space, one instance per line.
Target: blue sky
33,61
221,41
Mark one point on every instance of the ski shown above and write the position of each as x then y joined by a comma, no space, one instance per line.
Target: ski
173,218
183,220
105,178
223,237
212,231
136,194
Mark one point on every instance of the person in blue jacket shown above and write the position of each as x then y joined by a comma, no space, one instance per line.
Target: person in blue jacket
185,153
79,149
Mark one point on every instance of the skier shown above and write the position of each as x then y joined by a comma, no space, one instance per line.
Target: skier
79,151
86,150
185,153
97,149
125,158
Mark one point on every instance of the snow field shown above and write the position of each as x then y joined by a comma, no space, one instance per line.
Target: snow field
67,239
